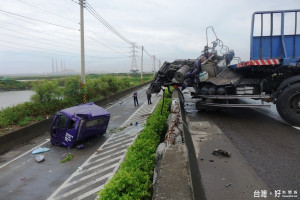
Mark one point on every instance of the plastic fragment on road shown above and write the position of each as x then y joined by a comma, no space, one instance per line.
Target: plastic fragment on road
81,146
40,150
221,152
227,185
39,158
79,169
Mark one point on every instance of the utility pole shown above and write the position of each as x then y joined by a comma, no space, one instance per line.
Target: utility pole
142,64
82,3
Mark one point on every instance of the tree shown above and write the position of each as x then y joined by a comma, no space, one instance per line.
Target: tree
46,92
72,90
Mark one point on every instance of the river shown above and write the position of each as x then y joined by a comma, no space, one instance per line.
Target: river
11,98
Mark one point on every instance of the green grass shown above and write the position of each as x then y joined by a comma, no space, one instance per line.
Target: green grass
25,121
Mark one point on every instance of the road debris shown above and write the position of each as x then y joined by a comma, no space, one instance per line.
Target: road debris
79,169
39,158
221,152
227,185
40,150
67,158
81,146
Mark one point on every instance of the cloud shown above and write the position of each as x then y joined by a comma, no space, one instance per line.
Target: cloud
168,29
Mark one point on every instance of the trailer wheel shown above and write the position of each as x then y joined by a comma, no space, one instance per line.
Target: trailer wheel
288,104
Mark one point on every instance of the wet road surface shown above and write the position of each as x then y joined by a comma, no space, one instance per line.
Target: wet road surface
24,178
270,146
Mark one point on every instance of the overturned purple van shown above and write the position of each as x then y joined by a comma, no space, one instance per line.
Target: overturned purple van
77,123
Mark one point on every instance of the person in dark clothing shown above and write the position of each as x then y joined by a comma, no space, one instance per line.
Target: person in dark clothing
149,97
135,98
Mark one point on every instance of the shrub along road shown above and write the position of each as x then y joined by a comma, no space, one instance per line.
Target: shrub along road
24,178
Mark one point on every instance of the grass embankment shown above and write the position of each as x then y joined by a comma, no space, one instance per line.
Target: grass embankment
7,85
134,178
53,95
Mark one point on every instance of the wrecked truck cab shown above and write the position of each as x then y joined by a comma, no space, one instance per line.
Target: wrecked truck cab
78,123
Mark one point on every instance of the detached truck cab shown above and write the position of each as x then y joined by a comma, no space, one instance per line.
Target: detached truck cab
77,123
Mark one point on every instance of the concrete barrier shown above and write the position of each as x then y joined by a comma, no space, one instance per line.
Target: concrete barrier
20,136
176,174
197,186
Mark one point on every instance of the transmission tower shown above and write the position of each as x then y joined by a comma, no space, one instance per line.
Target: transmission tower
134,68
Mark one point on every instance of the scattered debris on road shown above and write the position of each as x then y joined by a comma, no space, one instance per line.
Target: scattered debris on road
67,158
40,150
227,185
81,146
221,152
39,158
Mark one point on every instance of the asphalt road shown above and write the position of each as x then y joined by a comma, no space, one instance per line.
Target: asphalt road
270,146
23,178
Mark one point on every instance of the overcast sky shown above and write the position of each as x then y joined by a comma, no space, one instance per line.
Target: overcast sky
168,29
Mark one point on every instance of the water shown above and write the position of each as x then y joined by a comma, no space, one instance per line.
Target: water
12,98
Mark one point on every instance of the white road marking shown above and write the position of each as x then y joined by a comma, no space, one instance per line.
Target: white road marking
296,127
103,158
130,96
96,155
116,142
100,165
68,193
117,139
93,191
75,173
47,140
113,144
133,115
91,175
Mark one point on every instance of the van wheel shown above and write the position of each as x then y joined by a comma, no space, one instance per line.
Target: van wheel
288,104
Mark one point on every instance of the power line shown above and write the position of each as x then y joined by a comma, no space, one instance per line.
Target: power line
105,23
60,52
77,2
19,26
10,13
36,47
104,45
33,37
108,42
46,11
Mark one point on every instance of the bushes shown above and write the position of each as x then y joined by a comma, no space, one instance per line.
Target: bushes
51,96
46,91
134,178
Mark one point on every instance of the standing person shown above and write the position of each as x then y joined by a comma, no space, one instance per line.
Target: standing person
135,98
149,97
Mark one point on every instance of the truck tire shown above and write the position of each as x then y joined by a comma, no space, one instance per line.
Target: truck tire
288,104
